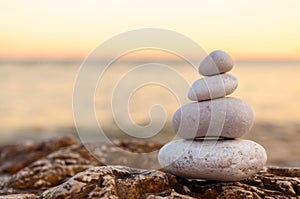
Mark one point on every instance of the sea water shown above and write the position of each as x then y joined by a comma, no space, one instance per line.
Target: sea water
37,96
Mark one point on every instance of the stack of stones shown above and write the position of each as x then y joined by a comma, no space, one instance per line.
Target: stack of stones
210,127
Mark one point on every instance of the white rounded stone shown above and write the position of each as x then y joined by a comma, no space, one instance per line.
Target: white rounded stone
216,62
223,117
222,160
212,87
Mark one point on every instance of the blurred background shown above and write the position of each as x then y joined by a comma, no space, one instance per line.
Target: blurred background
43,44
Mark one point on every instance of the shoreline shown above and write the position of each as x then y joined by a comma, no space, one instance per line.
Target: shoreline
281,141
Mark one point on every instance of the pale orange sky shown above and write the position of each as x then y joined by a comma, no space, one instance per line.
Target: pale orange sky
55,29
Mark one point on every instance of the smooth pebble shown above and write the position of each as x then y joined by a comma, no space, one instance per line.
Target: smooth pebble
223,117
216,62
222,160
212,87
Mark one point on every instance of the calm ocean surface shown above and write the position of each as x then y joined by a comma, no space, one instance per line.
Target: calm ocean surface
38,96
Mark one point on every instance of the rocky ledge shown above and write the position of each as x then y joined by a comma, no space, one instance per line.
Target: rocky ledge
63,168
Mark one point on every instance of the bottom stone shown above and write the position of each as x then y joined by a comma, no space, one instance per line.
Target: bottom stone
210,159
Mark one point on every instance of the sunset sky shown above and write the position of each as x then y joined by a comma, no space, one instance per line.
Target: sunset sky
56,29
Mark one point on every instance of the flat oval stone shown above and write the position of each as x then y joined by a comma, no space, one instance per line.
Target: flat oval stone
222,160
216,62
212,87
223,117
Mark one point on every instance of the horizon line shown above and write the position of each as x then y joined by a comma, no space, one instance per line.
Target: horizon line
77,60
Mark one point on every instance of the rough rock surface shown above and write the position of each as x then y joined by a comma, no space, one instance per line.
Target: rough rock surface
71,172
12,157
111,181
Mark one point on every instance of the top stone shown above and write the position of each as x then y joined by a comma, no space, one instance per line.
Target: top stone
216,62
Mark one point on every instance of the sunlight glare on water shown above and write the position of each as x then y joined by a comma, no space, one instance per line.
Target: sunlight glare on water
40,96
